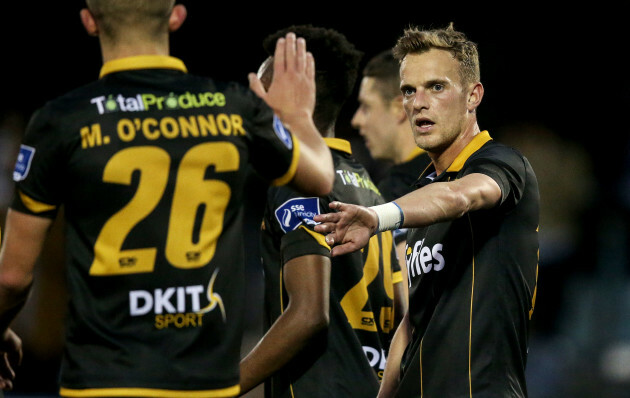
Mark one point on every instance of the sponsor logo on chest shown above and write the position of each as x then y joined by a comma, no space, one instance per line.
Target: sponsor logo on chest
423,259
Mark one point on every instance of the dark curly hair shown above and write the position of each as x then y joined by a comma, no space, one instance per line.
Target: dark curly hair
336,68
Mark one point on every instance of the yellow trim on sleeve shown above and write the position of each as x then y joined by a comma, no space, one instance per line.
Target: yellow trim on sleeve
288,176
34,205
150,392
338,144
473,146
142,62
321,239
397,277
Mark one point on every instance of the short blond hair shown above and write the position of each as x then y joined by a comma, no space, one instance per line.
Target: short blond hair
117,17
416,41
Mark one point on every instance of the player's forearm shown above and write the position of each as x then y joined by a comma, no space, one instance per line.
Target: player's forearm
289,334
14,291
401,299
391,375
23,241
315,174
11,302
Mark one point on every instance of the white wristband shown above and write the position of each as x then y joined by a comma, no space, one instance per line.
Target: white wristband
390,216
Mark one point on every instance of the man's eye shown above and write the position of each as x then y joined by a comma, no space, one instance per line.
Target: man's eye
438,87
408,92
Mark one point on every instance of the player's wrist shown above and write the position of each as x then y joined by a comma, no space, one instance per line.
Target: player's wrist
298,121
389,215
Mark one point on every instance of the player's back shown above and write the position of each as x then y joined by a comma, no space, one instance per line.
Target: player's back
347,360
149,163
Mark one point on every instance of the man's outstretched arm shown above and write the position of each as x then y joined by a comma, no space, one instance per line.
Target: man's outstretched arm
351,226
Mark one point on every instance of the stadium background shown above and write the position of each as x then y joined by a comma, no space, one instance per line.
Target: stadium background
556,87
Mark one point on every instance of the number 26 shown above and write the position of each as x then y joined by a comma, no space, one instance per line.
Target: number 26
191,192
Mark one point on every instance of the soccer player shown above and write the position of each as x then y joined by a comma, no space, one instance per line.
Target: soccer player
472,251
328,322
149,164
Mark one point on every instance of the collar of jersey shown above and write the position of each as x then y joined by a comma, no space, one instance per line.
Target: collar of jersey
473,146
338,144
417,151
143,62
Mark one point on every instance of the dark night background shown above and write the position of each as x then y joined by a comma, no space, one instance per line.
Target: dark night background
560,70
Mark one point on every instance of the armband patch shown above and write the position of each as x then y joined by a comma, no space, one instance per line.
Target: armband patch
297,211
23,163
282,132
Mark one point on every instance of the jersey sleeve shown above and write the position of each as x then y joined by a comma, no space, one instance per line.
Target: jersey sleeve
274,151
507,168
291,219
38,168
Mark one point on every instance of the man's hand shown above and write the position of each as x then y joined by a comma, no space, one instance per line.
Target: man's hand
11,351
349,229
292,91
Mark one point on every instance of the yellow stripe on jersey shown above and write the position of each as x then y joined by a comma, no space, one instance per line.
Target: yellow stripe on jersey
417,151
397,277
150,392
321,239
288,176
142,62
34,205
472,295
472,147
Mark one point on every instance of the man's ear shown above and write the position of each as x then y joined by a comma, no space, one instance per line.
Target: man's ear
177,18
475,96
89,23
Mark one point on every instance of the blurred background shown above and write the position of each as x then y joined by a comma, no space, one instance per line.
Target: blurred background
555,88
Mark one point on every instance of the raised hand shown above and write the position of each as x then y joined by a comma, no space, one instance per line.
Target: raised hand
349,229
292,91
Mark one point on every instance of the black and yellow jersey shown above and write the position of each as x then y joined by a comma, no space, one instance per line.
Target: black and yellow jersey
348,360
473,284
400,180
149,163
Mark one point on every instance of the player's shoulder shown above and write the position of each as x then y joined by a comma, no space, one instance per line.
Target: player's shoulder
353,183
498,152
61,109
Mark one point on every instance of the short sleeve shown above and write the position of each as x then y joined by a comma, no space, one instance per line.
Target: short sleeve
507,168
291,220
38,172
274,151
